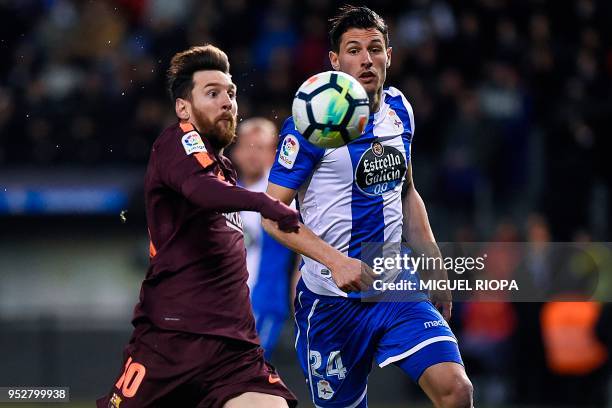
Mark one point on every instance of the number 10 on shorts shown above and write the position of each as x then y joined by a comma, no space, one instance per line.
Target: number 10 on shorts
334,365
130,380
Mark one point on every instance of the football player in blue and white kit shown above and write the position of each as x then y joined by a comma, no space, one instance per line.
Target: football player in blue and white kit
270,264
345,201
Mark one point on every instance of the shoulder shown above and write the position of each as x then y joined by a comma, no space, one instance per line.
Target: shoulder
288,127
180,134
291,138
394,94
398,102
180,140
168,134
295,154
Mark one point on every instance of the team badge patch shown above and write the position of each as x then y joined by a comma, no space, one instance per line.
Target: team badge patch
115,401
192,142
377,149
288,151
324,390
397,123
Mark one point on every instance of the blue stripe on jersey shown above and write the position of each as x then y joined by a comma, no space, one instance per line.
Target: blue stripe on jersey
367,211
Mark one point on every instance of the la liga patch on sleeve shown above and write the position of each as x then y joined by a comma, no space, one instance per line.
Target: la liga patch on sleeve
192,142
288,151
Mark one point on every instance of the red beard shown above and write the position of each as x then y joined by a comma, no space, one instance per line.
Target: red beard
218,135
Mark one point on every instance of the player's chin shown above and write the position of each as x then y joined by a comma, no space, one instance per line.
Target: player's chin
228,136
370,84
226,125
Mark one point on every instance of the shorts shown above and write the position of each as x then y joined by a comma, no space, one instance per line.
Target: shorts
337,339
177,369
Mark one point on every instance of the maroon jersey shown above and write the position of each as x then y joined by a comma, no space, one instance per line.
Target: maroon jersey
196,281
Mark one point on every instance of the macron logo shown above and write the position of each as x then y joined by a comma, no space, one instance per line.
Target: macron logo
435,323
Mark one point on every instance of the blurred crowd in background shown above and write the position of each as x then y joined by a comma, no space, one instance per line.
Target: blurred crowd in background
512,104
511,98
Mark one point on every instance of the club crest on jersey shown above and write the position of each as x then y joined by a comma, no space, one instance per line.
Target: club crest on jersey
380,169
391,125
377,149
324,390
192,142
396,120
288,151
115,401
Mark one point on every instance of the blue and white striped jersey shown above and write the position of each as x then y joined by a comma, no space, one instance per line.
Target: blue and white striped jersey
352,194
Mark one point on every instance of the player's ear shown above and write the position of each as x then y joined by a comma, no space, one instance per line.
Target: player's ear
181,107
333,59
389,52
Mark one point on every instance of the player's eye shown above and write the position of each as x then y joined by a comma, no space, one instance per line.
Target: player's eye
353,51
213,94
232,94
375,50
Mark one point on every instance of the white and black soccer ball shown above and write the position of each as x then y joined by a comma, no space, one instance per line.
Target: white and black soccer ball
330,109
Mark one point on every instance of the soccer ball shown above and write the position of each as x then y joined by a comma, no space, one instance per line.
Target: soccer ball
330,109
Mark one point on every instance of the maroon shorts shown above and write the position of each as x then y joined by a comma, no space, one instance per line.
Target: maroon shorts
176,369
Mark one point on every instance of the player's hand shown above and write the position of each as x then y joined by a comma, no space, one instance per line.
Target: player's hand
442,301
290,222
351,275
286,217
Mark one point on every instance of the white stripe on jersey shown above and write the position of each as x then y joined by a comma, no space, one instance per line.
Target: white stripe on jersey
325,197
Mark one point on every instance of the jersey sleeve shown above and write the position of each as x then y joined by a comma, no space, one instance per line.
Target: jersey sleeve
184,165
407,117
182,158
296,158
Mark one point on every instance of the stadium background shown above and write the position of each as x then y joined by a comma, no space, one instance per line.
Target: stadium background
513,108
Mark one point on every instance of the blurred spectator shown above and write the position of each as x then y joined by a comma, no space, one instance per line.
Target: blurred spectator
527,341
486,345
269,263
311,51
488,327
574,355
84,77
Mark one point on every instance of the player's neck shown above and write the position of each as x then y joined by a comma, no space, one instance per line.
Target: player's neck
375,101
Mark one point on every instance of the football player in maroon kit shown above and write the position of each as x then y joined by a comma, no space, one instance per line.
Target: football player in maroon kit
194,342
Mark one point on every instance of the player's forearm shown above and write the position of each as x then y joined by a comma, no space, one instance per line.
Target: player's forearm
421,239
417,229
212,194
304,242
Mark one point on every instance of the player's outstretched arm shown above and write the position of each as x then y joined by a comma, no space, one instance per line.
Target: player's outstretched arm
212,194
346,271
420,237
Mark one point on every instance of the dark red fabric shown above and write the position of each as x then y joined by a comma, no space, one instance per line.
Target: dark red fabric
192,370
196,281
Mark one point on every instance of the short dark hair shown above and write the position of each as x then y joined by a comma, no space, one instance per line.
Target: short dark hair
185,63
355,17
